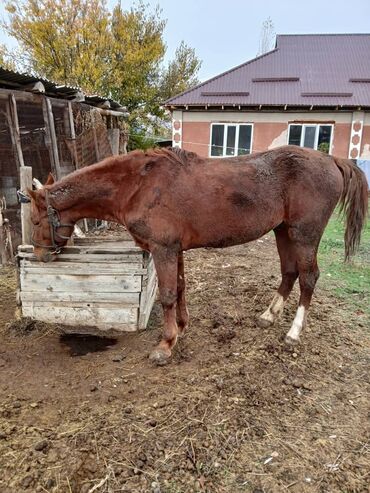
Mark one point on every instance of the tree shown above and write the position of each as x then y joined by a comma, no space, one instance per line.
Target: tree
181,73
267,37
118,53
136,56
5,58
64,40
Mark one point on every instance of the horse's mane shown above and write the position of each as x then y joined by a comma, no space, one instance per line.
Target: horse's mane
174,154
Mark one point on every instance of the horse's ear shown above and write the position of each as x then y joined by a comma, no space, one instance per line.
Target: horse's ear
50,180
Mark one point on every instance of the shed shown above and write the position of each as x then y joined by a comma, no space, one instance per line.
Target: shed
51,128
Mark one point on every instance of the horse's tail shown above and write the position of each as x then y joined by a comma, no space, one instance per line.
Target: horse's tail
353,203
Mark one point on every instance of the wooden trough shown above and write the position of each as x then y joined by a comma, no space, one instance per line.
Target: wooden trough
101,286
97,286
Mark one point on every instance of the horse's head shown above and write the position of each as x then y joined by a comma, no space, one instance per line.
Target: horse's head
51,228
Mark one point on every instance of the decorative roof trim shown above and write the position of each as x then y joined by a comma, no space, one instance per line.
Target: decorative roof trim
327,94
226,93
275,79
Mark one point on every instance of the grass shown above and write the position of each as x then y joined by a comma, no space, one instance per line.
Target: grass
349,281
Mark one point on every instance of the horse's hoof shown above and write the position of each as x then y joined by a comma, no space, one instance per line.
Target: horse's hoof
160,357
182,332
263,323
291,341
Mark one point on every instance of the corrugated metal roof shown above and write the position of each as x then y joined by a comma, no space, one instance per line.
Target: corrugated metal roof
15,80
302,70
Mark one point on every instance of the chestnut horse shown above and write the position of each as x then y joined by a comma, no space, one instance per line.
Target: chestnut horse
171,200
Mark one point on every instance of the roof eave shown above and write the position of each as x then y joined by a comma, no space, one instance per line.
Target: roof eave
262,107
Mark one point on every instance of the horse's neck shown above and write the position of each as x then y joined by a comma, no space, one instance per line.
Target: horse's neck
85,197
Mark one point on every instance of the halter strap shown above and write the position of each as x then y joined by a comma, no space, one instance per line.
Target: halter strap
54,223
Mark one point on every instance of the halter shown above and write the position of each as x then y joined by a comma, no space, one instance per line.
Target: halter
54,223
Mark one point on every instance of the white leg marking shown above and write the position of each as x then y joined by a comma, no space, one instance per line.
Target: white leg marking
274,310
297,325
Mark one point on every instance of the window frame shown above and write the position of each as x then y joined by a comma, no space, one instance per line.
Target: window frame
224,143
316,125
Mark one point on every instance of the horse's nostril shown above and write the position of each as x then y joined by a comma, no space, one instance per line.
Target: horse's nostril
47,257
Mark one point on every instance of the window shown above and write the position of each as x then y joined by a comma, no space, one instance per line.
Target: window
311,135
230,139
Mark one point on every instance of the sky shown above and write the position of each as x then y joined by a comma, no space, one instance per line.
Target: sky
227,33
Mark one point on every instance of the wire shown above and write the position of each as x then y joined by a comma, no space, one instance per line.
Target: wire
157,137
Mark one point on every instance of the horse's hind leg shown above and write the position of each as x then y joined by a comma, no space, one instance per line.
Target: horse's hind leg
308,276
166,264
181,308
289,274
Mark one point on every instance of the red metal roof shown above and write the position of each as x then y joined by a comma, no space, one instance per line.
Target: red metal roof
302,70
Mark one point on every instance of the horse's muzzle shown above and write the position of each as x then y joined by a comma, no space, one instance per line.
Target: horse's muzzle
43,255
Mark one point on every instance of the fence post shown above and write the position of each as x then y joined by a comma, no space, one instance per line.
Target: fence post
73,134
50,136
113,136
26,182
3,256
12,117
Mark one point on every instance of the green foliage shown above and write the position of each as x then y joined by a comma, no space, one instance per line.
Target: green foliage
63,40
180,74
119,53
324,147
139,139
137,51
350,281
5,58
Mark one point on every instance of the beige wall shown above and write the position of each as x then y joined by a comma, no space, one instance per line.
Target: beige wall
260,116
269,135
341,138
269,129
365,143
196,137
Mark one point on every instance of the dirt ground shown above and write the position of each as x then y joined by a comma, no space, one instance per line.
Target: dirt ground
235,410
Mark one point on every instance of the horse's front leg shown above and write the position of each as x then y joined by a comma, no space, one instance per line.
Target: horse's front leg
181,309
166,264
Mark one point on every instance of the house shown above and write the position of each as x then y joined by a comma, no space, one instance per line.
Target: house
51,128
310,90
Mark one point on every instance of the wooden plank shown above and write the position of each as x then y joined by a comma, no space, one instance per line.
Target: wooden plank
148,293
50,137
103,248
65,282
53,137
143,302
128,242
88,258
97,153
73,134
124,236
83,245
81,297
21,96
118,305
92,249
12,117
80,268
113,136
122,319
3,255
150,302
26,182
